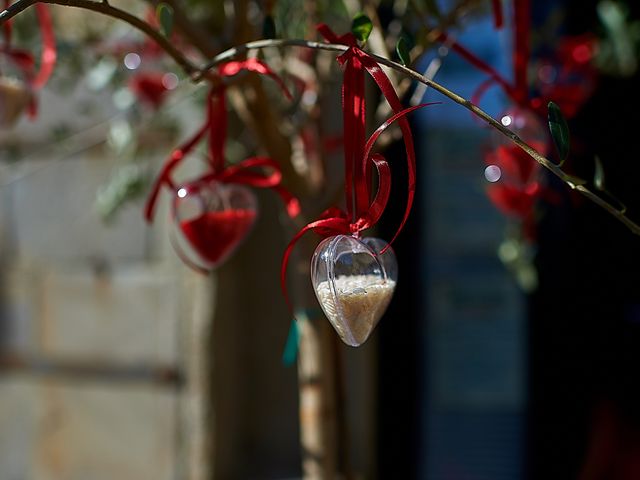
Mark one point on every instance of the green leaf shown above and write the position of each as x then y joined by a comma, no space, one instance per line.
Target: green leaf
268,27
402,49
598,176
361,27
164,14
559,130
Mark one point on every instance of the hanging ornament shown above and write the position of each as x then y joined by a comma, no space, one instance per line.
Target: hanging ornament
568,77
513,175
354,283
354,277
18,78
151,87
212,214
211,219
15,97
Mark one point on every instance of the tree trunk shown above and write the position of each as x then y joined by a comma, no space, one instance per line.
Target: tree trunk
195,404
322,426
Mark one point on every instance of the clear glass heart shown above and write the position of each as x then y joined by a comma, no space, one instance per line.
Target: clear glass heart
15,96
354,284
211,219
528,127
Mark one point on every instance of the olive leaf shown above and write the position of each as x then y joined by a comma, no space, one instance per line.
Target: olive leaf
164,14
361,27
598,176
559,130
402,49
268,27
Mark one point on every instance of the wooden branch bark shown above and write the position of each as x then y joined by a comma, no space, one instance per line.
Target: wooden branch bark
572,182
105,8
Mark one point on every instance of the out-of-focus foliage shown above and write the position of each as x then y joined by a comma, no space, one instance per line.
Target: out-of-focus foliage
619,49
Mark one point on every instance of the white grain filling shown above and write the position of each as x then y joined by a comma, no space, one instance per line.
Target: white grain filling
361,301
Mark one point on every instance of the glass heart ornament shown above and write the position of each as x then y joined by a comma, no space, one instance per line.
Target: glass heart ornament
211,219
513,175
15,96
354,283
527,125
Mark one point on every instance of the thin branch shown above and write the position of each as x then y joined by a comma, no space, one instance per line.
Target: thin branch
105,8
571,181
199,73
201,38
15,9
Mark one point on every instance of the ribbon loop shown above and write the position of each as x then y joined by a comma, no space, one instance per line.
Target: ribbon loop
215,128
362,212
253,65
329,35
164,177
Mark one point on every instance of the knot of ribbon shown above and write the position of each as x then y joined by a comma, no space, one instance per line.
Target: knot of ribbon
362,211
24,59
215,128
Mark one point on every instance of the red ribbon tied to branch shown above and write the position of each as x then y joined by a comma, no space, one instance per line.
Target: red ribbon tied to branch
24,59
215,127
362,212
518,90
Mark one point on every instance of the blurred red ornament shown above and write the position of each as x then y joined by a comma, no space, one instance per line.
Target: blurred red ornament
151,88
569,79
512,173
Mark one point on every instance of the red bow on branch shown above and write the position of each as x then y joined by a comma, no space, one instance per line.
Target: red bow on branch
362,212
215,127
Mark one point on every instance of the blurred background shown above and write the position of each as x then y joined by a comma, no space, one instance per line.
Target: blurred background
509,349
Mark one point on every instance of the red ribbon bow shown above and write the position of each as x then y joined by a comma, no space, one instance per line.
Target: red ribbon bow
362,212
216,128
24,59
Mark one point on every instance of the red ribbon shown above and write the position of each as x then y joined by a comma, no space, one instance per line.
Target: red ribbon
518,90
362,212
49,54
215,127
494,76
522,32
24,59
498,20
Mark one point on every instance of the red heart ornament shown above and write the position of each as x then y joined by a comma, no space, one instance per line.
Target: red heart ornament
151,88
211,220
514,175
15,97
354,284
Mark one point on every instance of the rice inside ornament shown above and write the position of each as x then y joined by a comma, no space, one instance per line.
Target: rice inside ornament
354,284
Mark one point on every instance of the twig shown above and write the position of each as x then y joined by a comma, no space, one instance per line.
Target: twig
106,9
199,73
571,181
201,38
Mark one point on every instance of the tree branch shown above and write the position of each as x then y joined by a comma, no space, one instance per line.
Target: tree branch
199,37
104,8
15,9
571,181
197,74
